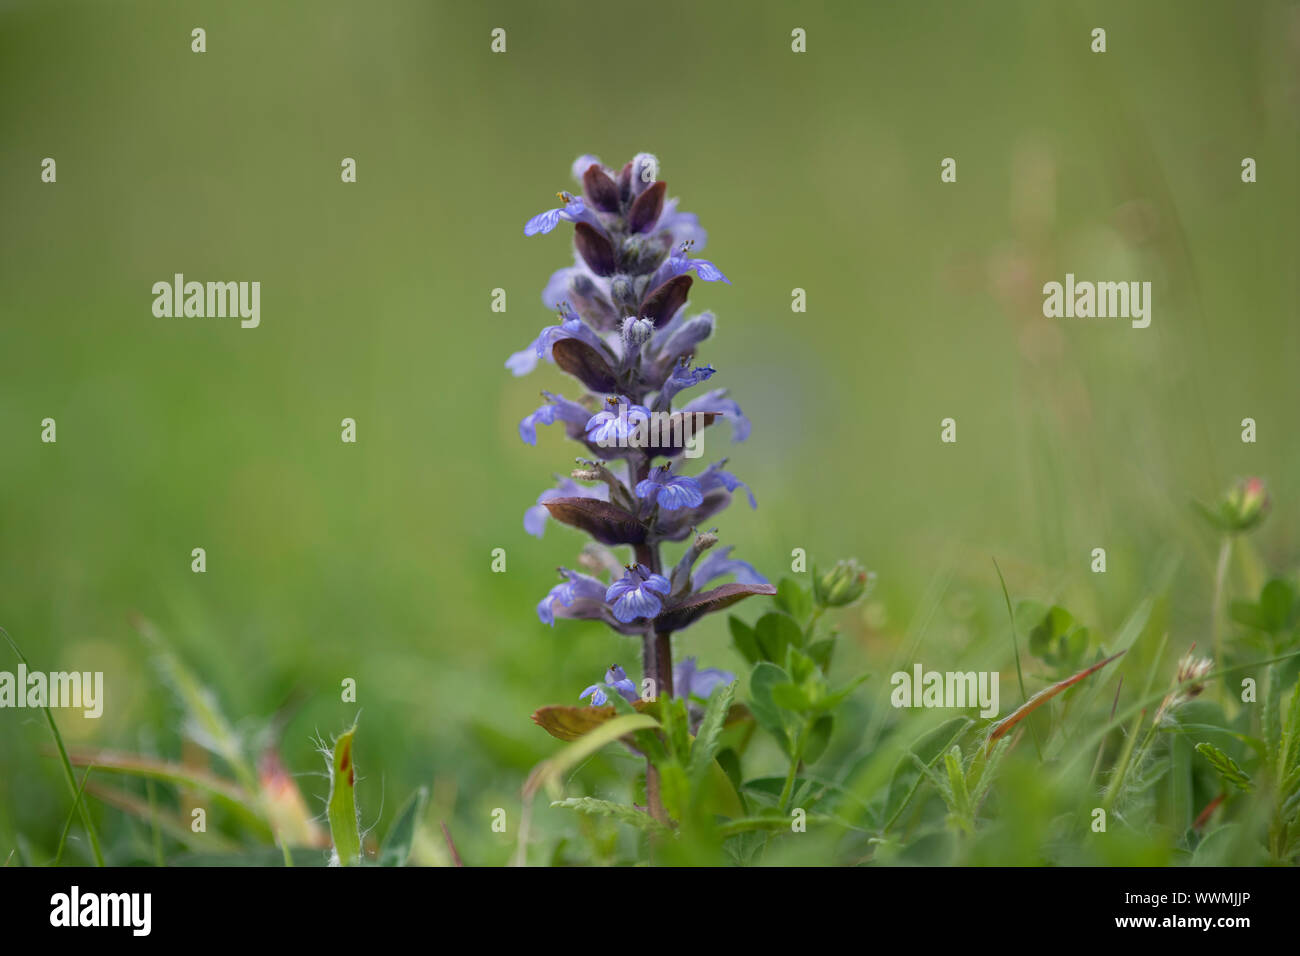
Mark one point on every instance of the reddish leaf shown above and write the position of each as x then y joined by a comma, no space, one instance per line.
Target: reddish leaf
672,438
645,211
585,364
595,249
662,303
607,523
706,602
600,189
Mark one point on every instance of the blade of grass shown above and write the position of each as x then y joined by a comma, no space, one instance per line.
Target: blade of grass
229,794
163,822
1015,647
67,824
67,764
1043,696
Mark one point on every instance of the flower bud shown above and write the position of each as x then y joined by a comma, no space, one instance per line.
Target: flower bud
637,332
1244,506
842,584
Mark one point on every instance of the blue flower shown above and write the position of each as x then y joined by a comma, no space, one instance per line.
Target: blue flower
573,210
579,596
689,681
714,477
682,377
670,491
570,327
716,401
615,424
637,594
615,679
557,408
680,262
717,564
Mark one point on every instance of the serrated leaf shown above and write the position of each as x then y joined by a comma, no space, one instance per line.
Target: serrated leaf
606,808
705,746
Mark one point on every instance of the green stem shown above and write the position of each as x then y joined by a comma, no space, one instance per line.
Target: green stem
1216,611
795,759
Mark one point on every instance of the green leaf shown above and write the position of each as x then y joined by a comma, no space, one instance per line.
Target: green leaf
957,781
1225,766
793,598
791,697
341,808
1288,747
773,823
674,788
819,737
820,652
742,635
705,747
775,632
835,698
401,835
1248,613
1275,603
767,713
927,749
619,811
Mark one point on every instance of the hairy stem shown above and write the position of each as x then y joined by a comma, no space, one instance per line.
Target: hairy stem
656,652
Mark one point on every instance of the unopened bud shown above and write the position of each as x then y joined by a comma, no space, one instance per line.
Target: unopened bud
1244,506
842,584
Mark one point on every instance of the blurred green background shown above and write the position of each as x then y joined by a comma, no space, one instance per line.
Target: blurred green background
818,171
